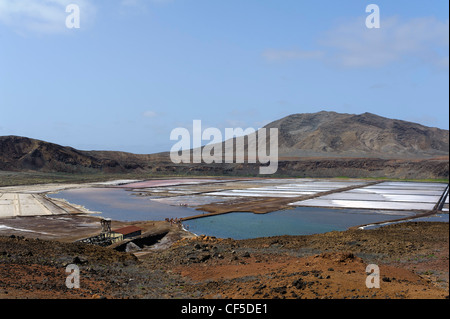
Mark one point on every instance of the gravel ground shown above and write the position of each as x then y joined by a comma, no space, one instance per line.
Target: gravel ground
412,258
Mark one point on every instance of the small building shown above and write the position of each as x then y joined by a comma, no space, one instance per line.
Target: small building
128,231
114,237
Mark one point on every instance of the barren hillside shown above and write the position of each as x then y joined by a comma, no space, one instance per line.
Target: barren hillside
323,144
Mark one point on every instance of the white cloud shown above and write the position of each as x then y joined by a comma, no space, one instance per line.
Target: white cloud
141,3
422,40
283,55
42,16
419,40
149,114
131,3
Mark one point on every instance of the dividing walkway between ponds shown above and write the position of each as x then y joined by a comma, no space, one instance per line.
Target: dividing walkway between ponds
266,204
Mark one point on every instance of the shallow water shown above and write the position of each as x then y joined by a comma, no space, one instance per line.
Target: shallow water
120,204
298,221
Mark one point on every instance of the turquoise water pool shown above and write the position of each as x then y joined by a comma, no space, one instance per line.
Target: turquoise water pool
120,204
298,221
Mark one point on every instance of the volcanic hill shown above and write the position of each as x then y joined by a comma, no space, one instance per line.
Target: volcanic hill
323,144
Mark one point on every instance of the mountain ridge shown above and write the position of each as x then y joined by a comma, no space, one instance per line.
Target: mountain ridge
310,144
332,134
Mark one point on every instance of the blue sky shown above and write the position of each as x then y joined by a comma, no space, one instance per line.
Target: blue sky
136,69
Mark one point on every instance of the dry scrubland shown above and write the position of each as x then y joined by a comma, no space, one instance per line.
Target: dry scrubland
413,261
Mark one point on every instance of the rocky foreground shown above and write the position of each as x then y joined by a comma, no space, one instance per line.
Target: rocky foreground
412,258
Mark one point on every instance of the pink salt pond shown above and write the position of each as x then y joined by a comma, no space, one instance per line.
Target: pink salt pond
168,182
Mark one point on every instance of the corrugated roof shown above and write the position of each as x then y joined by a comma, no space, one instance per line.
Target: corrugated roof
127,230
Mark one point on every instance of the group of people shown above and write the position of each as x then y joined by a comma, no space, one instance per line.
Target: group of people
174,221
